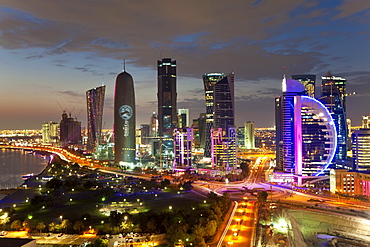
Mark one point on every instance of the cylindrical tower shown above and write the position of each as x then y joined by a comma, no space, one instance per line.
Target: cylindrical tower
124,119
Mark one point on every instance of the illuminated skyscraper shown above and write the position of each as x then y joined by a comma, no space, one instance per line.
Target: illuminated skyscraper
308,82
308,139
183,115
50,133
361,149
183,144
365,122
219,96
334,98
95,104
167,102
124,119
249,135
153,132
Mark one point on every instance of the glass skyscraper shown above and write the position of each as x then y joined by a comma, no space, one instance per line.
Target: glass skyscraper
308,82
95,104
167,103
219,95
334,98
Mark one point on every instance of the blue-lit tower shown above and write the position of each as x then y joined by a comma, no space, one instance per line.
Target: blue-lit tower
334,98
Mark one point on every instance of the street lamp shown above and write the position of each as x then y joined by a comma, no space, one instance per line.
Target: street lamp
61,218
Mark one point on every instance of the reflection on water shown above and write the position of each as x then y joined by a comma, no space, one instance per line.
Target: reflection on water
15,163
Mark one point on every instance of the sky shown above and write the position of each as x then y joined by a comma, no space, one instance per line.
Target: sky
52,52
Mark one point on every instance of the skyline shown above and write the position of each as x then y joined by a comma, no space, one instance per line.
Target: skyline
53,52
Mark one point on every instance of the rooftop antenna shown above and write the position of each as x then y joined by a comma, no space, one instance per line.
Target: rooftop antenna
102,80
124,64
160,54
284,71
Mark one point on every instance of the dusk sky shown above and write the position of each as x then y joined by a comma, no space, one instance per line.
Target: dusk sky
52,52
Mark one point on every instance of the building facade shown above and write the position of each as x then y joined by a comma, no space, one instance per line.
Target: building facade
70,131
50,133
167,102
308,134
183,141
183,118
124,120
334,98
219,96
349,182
249,135
361,150
95,105
308,81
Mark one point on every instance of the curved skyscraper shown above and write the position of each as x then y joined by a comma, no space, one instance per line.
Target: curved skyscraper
124,119
95,103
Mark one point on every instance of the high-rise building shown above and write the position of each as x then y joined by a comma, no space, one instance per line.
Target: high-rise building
50,133
349,134
153,132
334,98
145,129
183,146
340,83
240,137
308,82
124,119
361,149
219,96
308,138
249,135
70,130
365,122
199,130
95,104
223,148
279,134
183,115
167,100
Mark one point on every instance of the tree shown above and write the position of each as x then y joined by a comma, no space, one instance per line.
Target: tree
165,182
65,225
78,226
187,186
52,227
16,225
40,226
54,183
99,243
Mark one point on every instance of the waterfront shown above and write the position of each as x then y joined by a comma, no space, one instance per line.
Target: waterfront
15,163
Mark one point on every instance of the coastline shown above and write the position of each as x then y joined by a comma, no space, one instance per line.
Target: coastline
18,193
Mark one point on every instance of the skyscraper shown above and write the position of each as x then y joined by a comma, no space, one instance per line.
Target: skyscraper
183,146
249,135
309,139
95,104
334,98
153,132
167,99
361,149
50,133
124,119
365,122
70,130
183,118
219,96
308,82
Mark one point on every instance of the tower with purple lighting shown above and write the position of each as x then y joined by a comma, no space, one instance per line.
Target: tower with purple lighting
309,137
